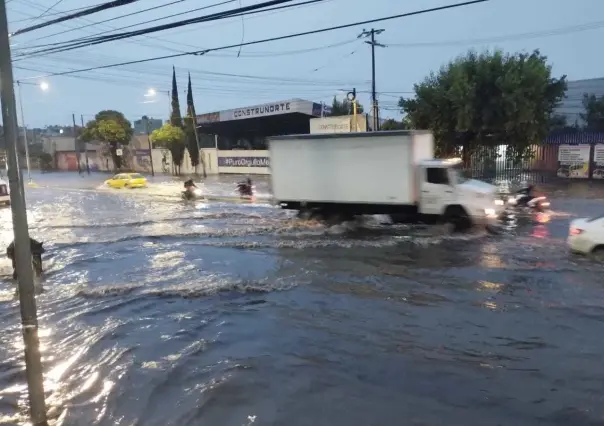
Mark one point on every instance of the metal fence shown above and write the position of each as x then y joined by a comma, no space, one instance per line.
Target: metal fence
497,165
493,164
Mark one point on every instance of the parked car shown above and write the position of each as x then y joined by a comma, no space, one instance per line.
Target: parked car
586,236
127,180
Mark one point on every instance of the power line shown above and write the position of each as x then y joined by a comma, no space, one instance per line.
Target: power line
181,44
92,40
518,36
48,10
85,12
267,40
115,18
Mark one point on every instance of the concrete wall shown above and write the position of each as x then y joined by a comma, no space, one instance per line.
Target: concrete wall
216,161
243,162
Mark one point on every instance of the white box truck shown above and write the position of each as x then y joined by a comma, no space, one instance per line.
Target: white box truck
393,173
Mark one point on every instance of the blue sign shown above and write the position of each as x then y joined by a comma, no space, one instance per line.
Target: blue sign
243,162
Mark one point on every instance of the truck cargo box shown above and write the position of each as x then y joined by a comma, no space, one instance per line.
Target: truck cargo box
342,168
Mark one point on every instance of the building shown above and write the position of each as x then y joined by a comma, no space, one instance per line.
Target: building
572,106
146,124
247,128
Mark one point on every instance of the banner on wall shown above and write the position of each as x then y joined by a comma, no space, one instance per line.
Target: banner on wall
243,162
598,163
573,161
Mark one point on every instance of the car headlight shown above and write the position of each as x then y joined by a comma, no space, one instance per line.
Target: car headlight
489,212
499,202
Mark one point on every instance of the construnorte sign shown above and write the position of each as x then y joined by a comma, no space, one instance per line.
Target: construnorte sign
243,162
271,109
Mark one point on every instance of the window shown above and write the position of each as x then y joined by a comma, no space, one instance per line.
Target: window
437,176
136,176
117,177
593,219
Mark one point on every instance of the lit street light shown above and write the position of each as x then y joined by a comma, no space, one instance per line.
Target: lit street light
44,87
152,93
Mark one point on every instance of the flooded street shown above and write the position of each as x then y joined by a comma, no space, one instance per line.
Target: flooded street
158,312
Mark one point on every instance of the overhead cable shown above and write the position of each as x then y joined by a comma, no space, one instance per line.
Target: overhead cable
85,12
92,40
267,40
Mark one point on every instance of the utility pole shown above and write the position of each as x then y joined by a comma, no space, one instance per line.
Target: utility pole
374,103
147,128
77,143
85,146
23,258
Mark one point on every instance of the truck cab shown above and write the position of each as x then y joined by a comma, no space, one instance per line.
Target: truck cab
444,191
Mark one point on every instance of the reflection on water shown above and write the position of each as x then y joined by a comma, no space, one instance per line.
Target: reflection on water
239,314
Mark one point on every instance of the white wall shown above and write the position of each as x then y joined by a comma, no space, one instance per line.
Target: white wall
244,162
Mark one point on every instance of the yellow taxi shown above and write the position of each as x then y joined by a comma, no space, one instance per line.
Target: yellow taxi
127,180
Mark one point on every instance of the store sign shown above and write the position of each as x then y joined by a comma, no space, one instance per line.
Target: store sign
573,161
598,163
262,110
243,162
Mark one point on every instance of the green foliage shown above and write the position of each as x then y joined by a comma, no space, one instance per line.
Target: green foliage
487,99
175,116
392,124
111,127
190,130
172,138
343,107
594,112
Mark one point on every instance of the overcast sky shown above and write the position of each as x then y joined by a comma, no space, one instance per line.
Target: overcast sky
313,67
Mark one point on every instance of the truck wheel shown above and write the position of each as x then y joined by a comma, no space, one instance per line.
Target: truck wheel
458,217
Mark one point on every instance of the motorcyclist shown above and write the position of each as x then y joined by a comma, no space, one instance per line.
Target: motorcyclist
190,187
245,187
527,193
36,253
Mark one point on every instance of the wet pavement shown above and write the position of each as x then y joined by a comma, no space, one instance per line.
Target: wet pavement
160,312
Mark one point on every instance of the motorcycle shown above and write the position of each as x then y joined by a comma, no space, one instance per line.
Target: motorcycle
523,200
192,193
245,189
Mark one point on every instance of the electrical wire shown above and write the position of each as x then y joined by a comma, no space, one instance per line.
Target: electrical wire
48,10
518,36
89,41
111,19
285,37
85,12
181,44
55,13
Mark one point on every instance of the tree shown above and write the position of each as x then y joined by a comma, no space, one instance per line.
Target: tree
392,124
191,136
175,116
343,107
487,99
112,128
594,112
172,138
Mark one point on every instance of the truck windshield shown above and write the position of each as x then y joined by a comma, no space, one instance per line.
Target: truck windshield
461,174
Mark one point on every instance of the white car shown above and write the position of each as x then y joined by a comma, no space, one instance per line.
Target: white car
4,192
586,236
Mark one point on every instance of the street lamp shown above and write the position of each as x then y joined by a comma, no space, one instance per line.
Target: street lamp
152,93
44,87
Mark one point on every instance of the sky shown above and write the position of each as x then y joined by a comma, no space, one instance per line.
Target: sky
314,67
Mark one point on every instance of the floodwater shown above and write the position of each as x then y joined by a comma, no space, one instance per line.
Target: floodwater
157,312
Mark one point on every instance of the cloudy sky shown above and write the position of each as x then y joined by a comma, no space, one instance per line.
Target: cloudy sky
314,67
